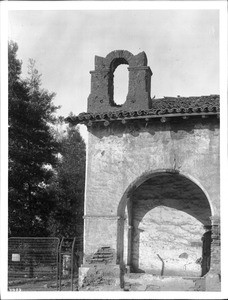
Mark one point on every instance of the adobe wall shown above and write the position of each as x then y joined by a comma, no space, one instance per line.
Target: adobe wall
118,155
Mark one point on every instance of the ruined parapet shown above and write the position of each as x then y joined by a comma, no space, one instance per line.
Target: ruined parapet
101,98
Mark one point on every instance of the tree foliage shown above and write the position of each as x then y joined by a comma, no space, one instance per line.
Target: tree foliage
46,169
67,218
32,150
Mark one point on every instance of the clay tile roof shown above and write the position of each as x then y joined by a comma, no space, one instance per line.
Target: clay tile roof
173,106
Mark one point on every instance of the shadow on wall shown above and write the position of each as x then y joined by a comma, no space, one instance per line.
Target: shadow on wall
135,127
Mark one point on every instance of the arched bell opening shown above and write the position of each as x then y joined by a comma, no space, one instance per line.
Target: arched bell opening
102,98
167,230
119,82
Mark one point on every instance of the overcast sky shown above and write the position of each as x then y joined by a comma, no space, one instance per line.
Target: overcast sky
182,47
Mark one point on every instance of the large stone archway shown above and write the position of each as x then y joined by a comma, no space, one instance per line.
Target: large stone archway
167,227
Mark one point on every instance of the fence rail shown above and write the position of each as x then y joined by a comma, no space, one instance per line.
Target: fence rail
36,264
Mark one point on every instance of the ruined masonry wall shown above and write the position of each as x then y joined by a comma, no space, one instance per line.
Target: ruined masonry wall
117,160
169,236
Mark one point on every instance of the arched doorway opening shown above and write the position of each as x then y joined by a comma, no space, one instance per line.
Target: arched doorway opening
165,226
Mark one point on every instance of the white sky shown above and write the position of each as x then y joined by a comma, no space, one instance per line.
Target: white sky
182,47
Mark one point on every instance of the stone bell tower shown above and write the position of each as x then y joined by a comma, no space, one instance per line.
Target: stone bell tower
152,205
101,97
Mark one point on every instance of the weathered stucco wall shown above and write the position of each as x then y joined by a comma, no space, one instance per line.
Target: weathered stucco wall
118,155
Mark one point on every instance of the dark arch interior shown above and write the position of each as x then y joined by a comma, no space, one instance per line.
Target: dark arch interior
116,62
176,191
176,195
